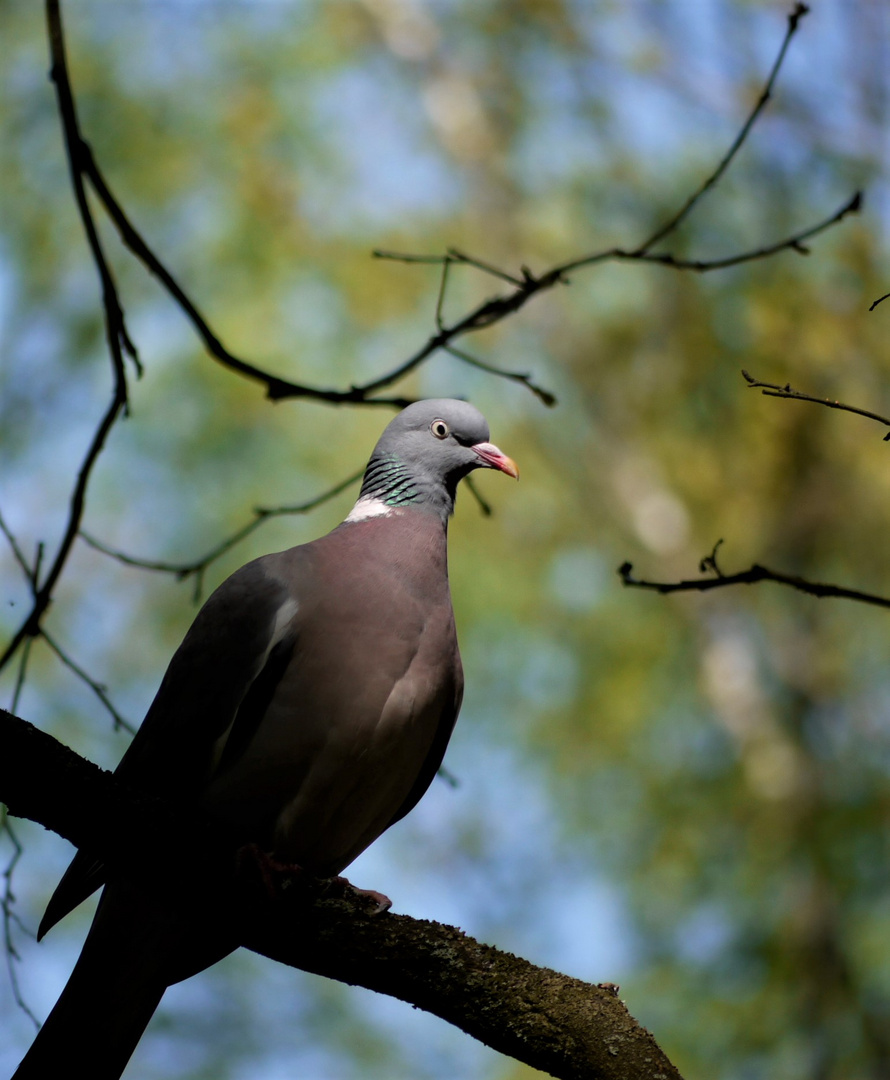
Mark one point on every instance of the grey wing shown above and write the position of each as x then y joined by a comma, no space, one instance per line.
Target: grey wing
234,653
437,751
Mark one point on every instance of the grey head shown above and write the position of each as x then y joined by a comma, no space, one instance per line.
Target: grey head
425,452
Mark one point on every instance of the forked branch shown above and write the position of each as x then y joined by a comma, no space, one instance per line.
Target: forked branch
525,285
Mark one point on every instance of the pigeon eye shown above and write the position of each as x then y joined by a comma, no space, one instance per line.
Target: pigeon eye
439,428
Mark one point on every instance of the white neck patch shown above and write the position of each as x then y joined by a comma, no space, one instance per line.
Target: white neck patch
368,506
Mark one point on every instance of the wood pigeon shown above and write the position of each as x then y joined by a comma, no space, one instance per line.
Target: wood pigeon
309,706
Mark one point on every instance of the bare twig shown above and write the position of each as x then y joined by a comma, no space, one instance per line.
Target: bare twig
880,300
751,576
21,674
484,315
440,299
786,391
528,284
794,242
452,255
17,552
515,376
766,93
98,689
11,920
488,268
496,308
197,567
490,311
484,505
709,563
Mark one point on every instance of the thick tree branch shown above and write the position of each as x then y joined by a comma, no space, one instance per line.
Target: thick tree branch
555,1023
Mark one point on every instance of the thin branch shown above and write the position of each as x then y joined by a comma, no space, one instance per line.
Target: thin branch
794,242
709,563
197,567
786,391
43,596
484,504
484,315
98,688
452,255
449,777
17,552
487,313
12,920
115,332
77,153
32,575
755,574
673,223
21,674
496,308
880,300
440,299
399,256
515,376
528,285
488,268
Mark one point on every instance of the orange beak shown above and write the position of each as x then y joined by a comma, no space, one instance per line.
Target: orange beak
492,458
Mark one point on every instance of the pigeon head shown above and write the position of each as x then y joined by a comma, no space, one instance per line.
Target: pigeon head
424,453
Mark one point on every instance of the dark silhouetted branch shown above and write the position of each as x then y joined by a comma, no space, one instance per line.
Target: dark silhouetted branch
766,93
11,920
84,165
98,688
752,576
115,332
795,242
528,284
514,376
277,388
483,503
561,1025
495,309
32,575
786,391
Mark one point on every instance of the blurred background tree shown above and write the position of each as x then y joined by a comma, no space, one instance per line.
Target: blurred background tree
683,795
